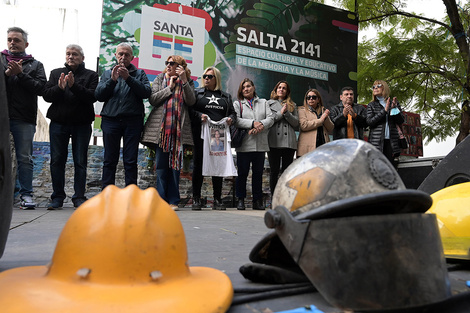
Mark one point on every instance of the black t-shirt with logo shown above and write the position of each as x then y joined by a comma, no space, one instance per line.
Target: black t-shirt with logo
213,104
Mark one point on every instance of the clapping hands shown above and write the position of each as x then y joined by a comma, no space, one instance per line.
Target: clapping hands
65,80
119,71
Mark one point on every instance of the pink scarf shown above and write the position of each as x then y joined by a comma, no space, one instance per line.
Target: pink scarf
18,57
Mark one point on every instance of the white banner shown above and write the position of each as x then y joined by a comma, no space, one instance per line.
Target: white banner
165,33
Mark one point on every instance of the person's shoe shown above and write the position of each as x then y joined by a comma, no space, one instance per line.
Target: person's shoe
196,204
55,204
241,204
258,204
174,207
218,205
78,202
27,202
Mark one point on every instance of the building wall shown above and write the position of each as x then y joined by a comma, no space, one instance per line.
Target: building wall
42,184
42,128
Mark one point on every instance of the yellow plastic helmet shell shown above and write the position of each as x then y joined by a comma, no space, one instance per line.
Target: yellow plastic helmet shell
124,250
451,206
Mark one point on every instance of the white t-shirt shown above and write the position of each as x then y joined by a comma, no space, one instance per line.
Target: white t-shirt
217,159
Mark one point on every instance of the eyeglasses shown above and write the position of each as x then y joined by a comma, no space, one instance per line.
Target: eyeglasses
171,63
312,97
377,86
207,76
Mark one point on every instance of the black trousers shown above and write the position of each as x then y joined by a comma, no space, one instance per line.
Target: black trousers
275,157
198,179
388,152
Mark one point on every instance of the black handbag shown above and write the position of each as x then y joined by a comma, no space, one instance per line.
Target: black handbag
237,134
402,142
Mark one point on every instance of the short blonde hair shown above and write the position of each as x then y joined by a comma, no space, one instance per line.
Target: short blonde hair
385,93
218,77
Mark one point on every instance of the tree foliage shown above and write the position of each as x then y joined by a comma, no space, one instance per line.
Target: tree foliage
425,61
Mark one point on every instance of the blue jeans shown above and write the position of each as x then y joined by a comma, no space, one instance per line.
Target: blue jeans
243,163
168,179
129,129
23,134
59,137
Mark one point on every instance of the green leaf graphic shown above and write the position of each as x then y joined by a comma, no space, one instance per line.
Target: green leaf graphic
268,8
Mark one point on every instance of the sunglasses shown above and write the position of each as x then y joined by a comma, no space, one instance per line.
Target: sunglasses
377,86
207,76
171,63
312,97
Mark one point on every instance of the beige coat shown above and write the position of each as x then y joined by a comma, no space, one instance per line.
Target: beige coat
309,123
160,93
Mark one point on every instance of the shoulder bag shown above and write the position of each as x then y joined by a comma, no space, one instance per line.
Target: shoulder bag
237,134
402,142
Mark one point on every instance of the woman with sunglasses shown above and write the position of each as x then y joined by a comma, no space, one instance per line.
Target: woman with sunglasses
383,116
315,123
168,126
282,138
253,114
214,104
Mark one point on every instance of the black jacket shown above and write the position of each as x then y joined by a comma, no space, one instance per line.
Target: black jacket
74,105
376,118
123,98
341,122
23,90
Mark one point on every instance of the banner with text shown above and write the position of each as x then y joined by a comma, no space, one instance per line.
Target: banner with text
309,45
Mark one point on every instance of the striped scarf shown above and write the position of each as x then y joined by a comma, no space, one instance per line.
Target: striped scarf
250,102
170,131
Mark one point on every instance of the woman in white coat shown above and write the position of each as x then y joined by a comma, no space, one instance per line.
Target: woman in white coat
254,115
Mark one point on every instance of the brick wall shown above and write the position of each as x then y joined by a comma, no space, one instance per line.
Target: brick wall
42,184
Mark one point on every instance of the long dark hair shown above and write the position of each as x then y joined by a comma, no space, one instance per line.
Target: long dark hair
288,100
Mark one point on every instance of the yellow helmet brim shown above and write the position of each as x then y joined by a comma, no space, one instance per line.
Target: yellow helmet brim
29,289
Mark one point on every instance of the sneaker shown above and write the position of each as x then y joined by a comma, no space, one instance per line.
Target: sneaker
27,202
55,204
174,207
78,202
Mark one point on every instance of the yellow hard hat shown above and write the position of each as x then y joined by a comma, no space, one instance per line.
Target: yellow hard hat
124,250
453,216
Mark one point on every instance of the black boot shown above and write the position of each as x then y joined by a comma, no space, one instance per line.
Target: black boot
196,204
218,204
258,204
241,204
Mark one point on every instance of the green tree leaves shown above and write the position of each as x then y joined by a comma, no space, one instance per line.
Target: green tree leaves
425,61
274,16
